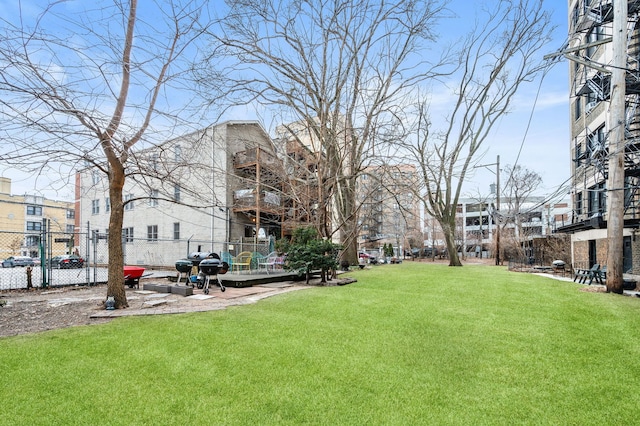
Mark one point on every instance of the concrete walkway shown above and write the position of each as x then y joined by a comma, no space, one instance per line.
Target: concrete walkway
143,302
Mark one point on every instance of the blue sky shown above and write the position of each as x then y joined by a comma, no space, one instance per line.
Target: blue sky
544,148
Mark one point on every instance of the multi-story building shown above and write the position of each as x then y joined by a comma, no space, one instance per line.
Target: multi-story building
521,222
389,212
590,52
23,218
217,189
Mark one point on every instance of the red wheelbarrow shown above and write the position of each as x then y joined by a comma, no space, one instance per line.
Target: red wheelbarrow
132,275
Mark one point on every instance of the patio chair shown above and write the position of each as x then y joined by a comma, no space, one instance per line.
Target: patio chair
242,261
270,261
256,258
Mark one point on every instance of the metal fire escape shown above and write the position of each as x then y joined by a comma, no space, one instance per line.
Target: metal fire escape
593,81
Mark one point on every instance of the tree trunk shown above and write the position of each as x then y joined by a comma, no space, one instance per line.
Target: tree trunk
349,240
115,281
449,238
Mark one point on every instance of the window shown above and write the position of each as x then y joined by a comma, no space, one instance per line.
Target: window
154,162
95,177
591,102
127,235
628,192
595,34
579,203
596,141
575,15
176,230
70,229
153,198
34,210
32,240
107,204
176,193
128,202
580,153
177,153
34,226
95,206
152,233
597,199
71,214
577,108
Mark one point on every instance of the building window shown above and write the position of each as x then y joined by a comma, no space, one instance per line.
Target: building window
95,177
597,199
596,141
579,203
71,214
128,202
176,230
70,229
154,162
127,235
176,193
32,240
152,233
177,153
591,102
95,206
153,198
577,108
595,34
34,226
580,155
107,204
34,210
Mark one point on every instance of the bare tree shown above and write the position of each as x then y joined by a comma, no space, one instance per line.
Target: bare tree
520,183
338,70
82,89
495,60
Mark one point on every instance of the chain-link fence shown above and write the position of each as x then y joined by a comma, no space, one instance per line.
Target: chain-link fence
45,248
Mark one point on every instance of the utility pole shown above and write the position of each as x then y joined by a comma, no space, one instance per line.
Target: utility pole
497,212
615,180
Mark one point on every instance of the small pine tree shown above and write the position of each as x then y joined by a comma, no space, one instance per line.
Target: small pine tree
307,252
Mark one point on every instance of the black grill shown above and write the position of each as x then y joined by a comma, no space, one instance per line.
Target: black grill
184,265
210,266
197,256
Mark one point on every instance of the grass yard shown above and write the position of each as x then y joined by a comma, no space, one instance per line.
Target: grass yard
415,343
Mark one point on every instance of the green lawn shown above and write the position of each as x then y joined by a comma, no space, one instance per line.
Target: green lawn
415,343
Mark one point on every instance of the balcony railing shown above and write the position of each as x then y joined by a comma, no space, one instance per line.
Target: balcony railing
246,199
255,156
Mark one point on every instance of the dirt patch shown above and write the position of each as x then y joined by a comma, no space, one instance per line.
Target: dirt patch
40,310
594,289
23,312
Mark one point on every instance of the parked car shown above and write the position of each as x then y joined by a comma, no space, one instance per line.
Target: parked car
368,258
13,261
429,252
66,261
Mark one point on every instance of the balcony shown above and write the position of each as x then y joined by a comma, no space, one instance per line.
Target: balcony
246,200
256,156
